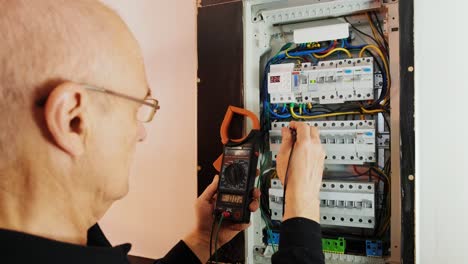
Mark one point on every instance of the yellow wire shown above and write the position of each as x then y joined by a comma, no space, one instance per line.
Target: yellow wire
296,116
309,105
382,172
387,70
333,51
365,111
292,57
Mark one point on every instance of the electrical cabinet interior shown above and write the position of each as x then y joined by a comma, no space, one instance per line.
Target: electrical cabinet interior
333,64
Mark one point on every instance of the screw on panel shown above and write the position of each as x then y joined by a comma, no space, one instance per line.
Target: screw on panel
411,69
411,177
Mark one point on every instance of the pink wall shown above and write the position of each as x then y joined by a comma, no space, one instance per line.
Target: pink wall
159,208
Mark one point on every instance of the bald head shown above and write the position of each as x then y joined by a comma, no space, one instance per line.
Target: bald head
46,42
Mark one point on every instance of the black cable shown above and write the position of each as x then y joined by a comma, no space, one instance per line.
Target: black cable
211,237
382,209
362,33
216,237
379,28
264,186
386,122
293,135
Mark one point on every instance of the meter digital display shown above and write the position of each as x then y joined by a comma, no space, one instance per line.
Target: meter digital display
232,198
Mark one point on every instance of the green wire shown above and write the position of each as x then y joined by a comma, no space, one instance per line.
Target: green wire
264,217
216,238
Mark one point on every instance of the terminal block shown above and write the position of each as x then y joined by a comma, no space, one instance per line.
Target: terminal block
374,248
273,237
334,245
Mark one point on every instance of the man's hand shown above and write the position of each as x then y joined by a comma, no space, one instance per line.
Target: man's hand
199,239
305,171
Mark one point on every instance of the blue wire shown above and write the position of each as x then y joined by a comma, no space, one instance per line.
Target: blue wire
279,116
304,110
283,109
348,46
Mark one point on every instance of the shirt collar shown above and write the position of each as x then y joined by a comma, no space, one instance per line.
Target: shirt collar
24,248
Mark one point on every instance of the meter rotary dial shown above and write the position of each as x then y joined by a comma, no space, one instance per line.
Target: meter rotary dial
235,176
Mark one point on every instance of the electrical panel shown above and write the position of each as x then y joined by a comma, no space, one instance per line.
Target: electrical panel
345,142
329,82
346,84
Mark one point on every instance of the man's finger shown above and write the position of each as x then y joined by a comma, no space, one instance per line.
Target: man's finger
254,205
315,135
302,131
286,142
211,190
256,193
285,147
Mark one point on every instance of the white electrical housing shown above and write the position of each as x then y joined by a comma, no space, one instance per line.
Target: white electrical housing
278,14
345,142
262,255
329,82
334,258
350,204
321,33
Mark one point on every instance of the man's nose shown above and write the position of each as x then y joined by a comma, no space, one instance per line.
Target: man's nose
141,133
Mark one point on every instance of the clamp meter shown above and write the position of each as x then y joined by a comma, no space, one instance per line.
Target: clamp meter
238,169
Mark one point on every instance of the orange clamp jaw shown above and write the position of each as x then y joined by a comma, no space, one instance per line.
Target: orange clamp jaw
224,131
227,123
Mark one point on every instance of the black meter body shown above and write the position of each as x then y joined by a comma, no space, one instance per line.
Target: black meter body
237,178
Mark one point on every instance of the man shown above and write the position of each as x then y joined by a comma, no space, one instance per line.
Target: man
74,98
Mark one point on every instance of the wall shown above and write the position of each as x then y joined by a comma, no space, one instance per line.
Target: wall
441,131
159,208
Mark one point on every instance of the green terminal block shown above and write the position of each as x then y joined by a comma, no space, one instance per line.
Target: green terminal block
334,245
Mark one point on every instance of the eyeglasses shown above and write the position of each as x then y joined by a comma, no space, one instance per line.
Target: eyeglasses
147,110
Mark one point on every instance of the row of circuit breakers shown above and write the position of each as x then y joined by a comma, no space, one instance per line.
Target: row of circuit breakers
350,142
350,204
329,82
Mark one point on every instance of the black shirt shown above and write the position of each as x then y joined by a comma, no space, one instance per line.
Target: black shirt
300,244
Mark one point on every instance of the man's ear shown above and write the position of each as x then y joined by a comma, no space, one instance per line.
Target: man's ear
65,113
